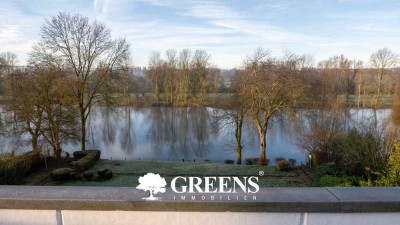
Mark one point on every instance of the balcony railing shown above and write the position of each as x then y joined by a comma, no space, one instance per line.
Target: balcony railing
125,205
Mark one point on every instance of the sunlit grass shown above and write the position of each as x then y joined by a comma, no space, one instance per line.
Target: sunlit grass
126,173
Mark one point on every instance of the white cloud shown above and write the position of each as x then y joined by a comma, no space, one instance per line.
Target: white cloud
210,10
226,30
9,32
12,40
225,17
101,7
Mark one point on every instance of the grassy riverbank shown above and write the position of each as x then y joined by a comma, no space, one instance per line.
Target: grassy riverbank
126,173
222,100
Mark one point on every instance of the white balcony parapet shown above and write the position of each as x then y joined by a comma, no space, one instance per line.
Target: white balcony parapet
125,205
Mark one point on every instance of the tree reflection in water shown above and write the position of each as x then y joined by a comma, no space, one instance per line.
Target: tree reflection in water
179,132
127,137
108,129
176,133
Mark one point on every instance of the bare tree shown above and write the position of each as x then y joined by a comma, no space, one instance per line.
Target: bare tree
184,74
86,51
170,76
358,73
238,113
155,74
199,74
27,115
338,79
268,88
305,61
324,126
181,77
43,107
56,100
396,106
8,61
232,118
214,81
381,61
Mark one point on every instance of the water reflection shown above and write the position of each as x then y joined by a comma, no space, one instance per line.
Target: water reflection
171,133
179,132
11,139
127,137
108,130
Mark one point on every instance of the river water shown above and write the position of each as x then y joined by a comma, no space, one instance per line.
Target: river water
182,133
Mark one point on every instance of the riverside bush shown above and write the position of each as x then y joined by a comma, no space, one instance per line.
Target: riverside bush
334,181
390,176
283,165
86,159
13,168
328,169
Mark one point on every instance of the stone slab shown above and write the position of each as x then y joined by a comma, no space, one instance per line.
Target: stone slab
368,199
266,200
126,198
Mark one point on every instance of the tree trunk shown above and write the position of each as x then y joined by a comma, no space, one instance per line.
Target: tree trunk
34,143
364,95
239,154
57,147
238,136
262,131
263,158
57,152
359,93
380,77
83,132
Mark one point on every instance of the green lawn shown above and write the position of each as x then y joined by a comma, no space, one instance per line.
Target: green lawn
126,173
222,98
384,100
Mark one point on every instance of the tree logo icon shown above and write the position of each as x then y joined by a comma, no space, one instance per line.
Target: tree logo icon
153,183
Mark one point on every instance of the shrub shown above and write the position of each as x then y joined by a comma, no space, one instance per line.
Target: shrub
327,169
13,168
363,146
88,175
62,174
321,157
85,161
255,161
229,161
251,161
13,172
333,181
81,154
354,169
277,159
283,165
355,181
391,175
104,174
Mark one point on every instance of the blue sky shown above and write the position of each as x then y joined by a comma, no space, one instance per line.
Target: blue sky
228,30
